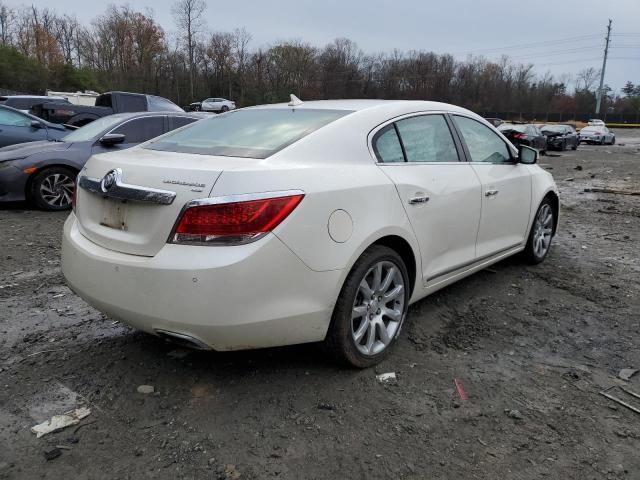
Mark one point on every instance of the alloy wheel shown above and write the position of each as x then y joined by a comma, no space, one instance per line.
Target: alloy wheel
378,308
57,190
543,230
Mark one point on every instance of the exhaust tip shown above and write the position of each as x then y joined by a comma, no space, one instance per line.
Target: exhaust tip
183,340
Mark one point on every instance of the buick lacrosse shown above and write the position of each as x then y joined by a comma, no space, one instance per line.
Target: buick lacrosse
302,222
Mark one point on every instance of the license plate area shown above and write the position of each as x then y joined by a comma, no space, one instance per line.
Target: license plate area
114,214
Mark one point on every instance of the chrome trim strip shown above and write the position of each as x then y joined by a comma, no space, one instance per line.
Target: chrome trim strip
242,197
469,264
112,186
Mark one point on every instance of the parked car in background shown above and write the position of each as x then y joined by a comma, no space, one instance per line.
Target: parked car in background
594,122
44,172
219,105
496,122
19,127
525,134
597,134
24,103
105,104
194,107
560,137
255,228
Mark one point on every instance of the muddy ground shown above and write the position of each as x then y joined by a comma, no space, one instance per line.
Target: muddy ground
531,346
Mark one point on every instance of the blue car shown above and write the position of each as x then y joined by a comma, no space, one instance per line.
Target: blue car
44,172
20,127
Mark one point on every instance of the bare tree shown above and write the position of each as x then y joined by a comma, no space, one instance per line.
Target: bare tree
586,79
7,17
189,15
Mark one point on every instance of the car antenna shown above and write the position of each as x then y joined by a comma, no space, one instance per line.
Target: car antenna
295,101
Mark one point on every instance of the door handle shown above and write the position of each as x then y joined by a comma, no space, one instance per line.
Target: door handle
490,193
418,200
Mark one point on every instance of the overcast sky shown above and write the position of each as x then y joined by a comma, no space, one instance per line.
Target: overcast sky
488,27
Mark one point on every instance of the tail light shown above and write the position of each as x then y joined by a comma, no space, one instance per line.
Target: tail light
519,136
234,221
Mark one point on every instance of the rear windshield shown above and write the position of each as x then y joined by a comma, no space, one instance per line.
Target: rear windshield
251,133
591,129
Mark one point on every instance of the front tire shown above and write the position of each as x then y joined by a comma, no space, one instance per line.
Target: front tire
224,109
370,310
52,188
541,234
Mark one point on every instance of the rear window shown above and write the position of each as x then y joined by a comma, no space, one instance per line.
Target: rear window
251,133
160,104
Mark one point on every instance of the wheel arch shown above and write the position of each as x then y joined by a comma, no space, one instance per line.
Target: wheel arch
29,183
555,204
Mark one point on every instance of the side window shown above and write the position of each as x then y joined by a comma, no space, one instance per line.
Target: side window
386,145
483,143
427,138
13,119
177,122
141,129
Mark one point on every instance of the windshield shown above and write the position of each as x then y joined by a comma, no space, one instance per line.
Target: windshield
91,130
251,133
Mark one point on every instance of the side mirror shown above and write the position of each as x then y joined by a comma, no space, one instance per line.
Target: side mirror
36,124
527,155
111,139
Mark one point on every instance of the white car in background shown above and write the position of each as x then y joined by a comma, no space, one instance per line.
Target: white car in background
306,222
597,134
219,105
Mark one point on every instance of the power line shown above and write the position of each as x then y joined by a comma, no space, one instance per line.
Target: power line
523,46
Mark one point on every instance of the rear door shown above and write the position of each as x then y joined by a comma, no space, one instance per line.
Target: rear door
440,193
506,188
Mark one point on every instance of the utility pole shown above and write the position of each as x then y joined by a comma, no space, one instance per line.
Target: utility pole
604,67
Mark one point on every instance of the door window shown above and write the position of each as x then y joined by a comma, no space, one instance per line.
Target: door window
177,122
386,145
141,129
483,143
13,119
427,138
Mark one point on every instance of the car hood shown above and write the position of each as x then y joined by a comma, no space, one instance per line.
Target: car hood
22,150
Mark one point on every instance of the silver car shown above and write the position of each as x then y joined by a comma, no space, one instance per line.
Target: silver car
597,134
219,105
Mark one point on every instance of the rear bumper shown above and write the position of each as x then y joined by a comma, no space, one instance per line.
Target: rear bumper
13,183
229,298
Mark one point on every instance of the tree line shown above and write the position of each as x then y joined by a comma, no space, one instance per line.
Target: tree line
126,49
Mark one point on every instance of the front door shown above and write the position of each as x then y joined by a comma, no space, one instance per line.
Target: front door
506,188
440,193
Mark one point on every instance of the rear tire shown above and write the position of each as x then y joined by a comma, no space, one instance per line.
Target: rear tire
52,188
613,140
541,234
370,310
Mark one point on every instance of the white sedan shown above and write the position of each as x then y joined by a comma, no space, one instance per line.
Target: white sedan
219,105
306,222
597,134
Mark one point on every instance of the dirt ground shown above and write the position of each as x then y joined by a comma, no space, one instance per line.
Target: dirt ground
531,346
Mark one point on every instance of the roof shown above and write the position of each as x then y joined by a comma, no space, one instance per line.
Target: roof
169,113
359,105
33,96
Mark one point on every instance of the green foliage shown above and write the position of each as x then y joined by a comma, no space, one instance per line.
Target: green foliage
21,73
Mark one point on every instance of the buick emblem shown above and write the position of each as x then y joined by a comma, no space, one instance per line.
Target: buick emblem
109,180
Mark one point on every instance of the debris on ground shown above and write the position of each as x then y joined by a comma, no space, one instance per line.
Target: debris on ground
51,453
326,406
59,422
627,373
578,167
387,377
146,389
515,414
460,389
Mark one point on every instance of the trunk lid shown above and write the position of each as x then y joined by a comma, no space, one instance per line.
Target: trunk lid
143,227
